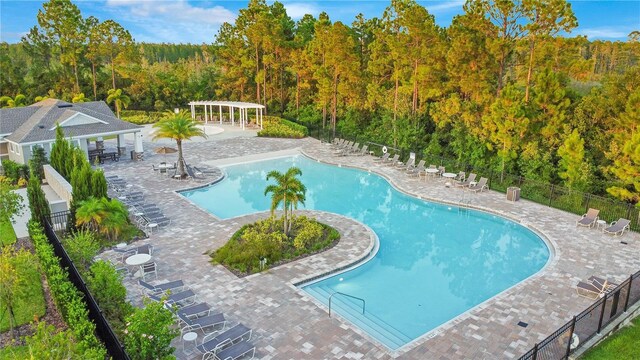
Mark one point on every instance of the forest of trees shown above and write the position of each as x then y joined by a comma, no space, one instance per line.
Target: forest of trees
503,86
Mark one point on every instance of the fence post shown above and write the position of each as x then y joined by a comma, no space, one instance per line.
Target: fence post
626,301
550,194
586,206
604,305
628,211
573,327
535,352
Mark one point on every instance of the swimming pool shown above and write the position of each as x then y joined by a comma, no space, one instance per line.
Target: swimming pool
434,261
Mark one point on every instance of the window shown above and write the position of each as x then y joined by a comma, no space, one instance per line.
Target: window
11,147
17,149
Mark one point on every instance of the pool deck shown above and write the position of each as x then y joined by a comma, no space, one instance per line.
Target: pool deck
291,325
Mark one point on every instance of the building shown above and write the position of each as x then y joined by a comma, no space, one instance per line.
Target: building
21,129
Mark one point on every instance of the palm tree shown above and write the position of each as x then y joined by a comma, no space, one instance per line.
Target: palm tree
119,99
90,213
108,217
19,101
289,191
178,127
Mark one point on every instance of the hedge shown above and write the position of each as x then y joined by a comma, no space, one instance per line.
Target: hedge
142,117
281,128
68,299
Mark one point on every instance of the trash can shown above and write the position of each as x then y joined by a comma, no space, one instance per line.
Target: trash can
513,193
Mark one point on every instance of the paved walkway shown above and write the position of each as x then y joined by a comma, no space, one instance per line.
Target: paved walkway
290,325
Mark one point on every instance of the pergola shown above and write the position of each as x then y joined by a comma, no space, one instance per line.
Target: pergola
242,107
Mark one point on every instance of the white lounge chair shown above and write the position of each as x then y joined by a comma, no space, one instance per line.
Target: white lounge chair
618,227
589,219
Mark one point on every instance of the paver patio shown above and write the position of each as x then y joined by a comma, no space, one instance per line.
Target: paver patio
290,325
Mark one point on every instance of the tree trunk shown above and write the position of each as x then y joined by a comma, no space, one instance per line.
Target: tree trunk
75,74
297,96
95,86
334,111
528,86
180,159
113,74
284,216
257,72
395,111
415,88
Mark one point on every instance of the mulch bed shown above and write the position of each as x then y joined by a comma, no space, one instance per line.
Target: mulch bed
51,316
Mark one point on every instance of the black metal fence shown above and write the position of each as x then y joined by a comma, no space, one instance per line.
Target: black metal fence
554,196
54,225
574,334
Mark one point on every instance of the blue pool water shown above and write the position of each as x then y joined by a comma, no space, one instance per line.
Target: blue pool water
434,262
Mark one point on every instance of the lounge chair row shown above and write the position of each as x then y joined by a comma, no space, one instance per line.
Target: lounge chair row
594,287
147,215
343,148
218,343
591,218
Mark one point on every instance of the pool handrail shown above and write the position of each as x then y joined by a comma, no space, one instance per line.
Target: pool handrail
364,303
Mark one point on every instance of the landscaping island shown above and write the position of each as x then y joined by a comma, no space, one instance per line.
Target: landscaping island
266,239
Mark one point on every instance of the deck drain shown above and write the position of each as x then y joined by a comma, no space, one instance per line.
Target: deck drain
523,324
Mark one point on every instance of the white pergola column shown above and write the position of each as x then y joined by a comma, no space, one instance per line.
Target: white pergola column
233,113
261,118
205,114
193,115
220,107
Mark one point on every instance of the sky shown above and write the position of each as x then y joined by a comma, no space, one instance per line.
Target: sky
183,21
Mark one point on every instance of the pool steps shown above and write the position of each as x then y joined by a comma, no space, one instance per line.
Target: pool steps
369,323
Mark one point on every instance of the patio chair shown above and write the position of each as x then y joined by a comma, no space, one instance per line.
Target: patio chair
195,310
180,299
215,342
149,269
589,219
125,253
145,249
441,170
461,176
411,163
201,323
394,160
237,351
416,170
176,285
363,151
161,220
382,158
618,227
467,182
480,186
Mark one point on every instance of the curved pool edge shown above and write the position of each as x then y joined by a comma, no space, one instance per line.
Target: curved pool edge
548,242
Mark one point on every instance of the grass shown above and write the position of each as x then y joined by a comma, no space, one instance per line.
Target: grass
624,344
30,304
14,352
7,235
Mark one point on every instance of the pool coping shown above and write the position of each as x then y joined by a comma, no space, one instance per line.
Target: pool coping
371,251
550,244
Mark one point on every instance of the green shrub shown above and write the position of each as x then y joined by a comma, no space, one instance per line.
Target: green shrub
82,247
105,284
281,128
141,117
148,333
15,171
49,343
266,239
68,299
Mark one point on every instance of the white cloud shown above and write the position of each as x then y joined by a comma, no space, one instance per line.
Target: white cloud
443,6
170,21
298,9
604,32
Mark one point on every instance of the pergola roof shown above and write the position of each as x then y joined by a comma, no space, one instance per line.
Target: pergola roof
235,104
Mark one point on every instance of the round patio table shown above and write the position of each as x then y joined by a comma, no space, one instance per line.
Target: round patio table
449,175
138,259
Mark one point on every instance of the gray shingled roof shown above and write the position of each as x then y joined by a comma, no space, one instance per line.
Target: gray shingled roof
34,123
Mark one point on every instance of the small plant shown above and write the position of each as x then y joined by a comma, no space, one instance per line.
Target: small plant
49,343
82,247
148,332
105,283
22,182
